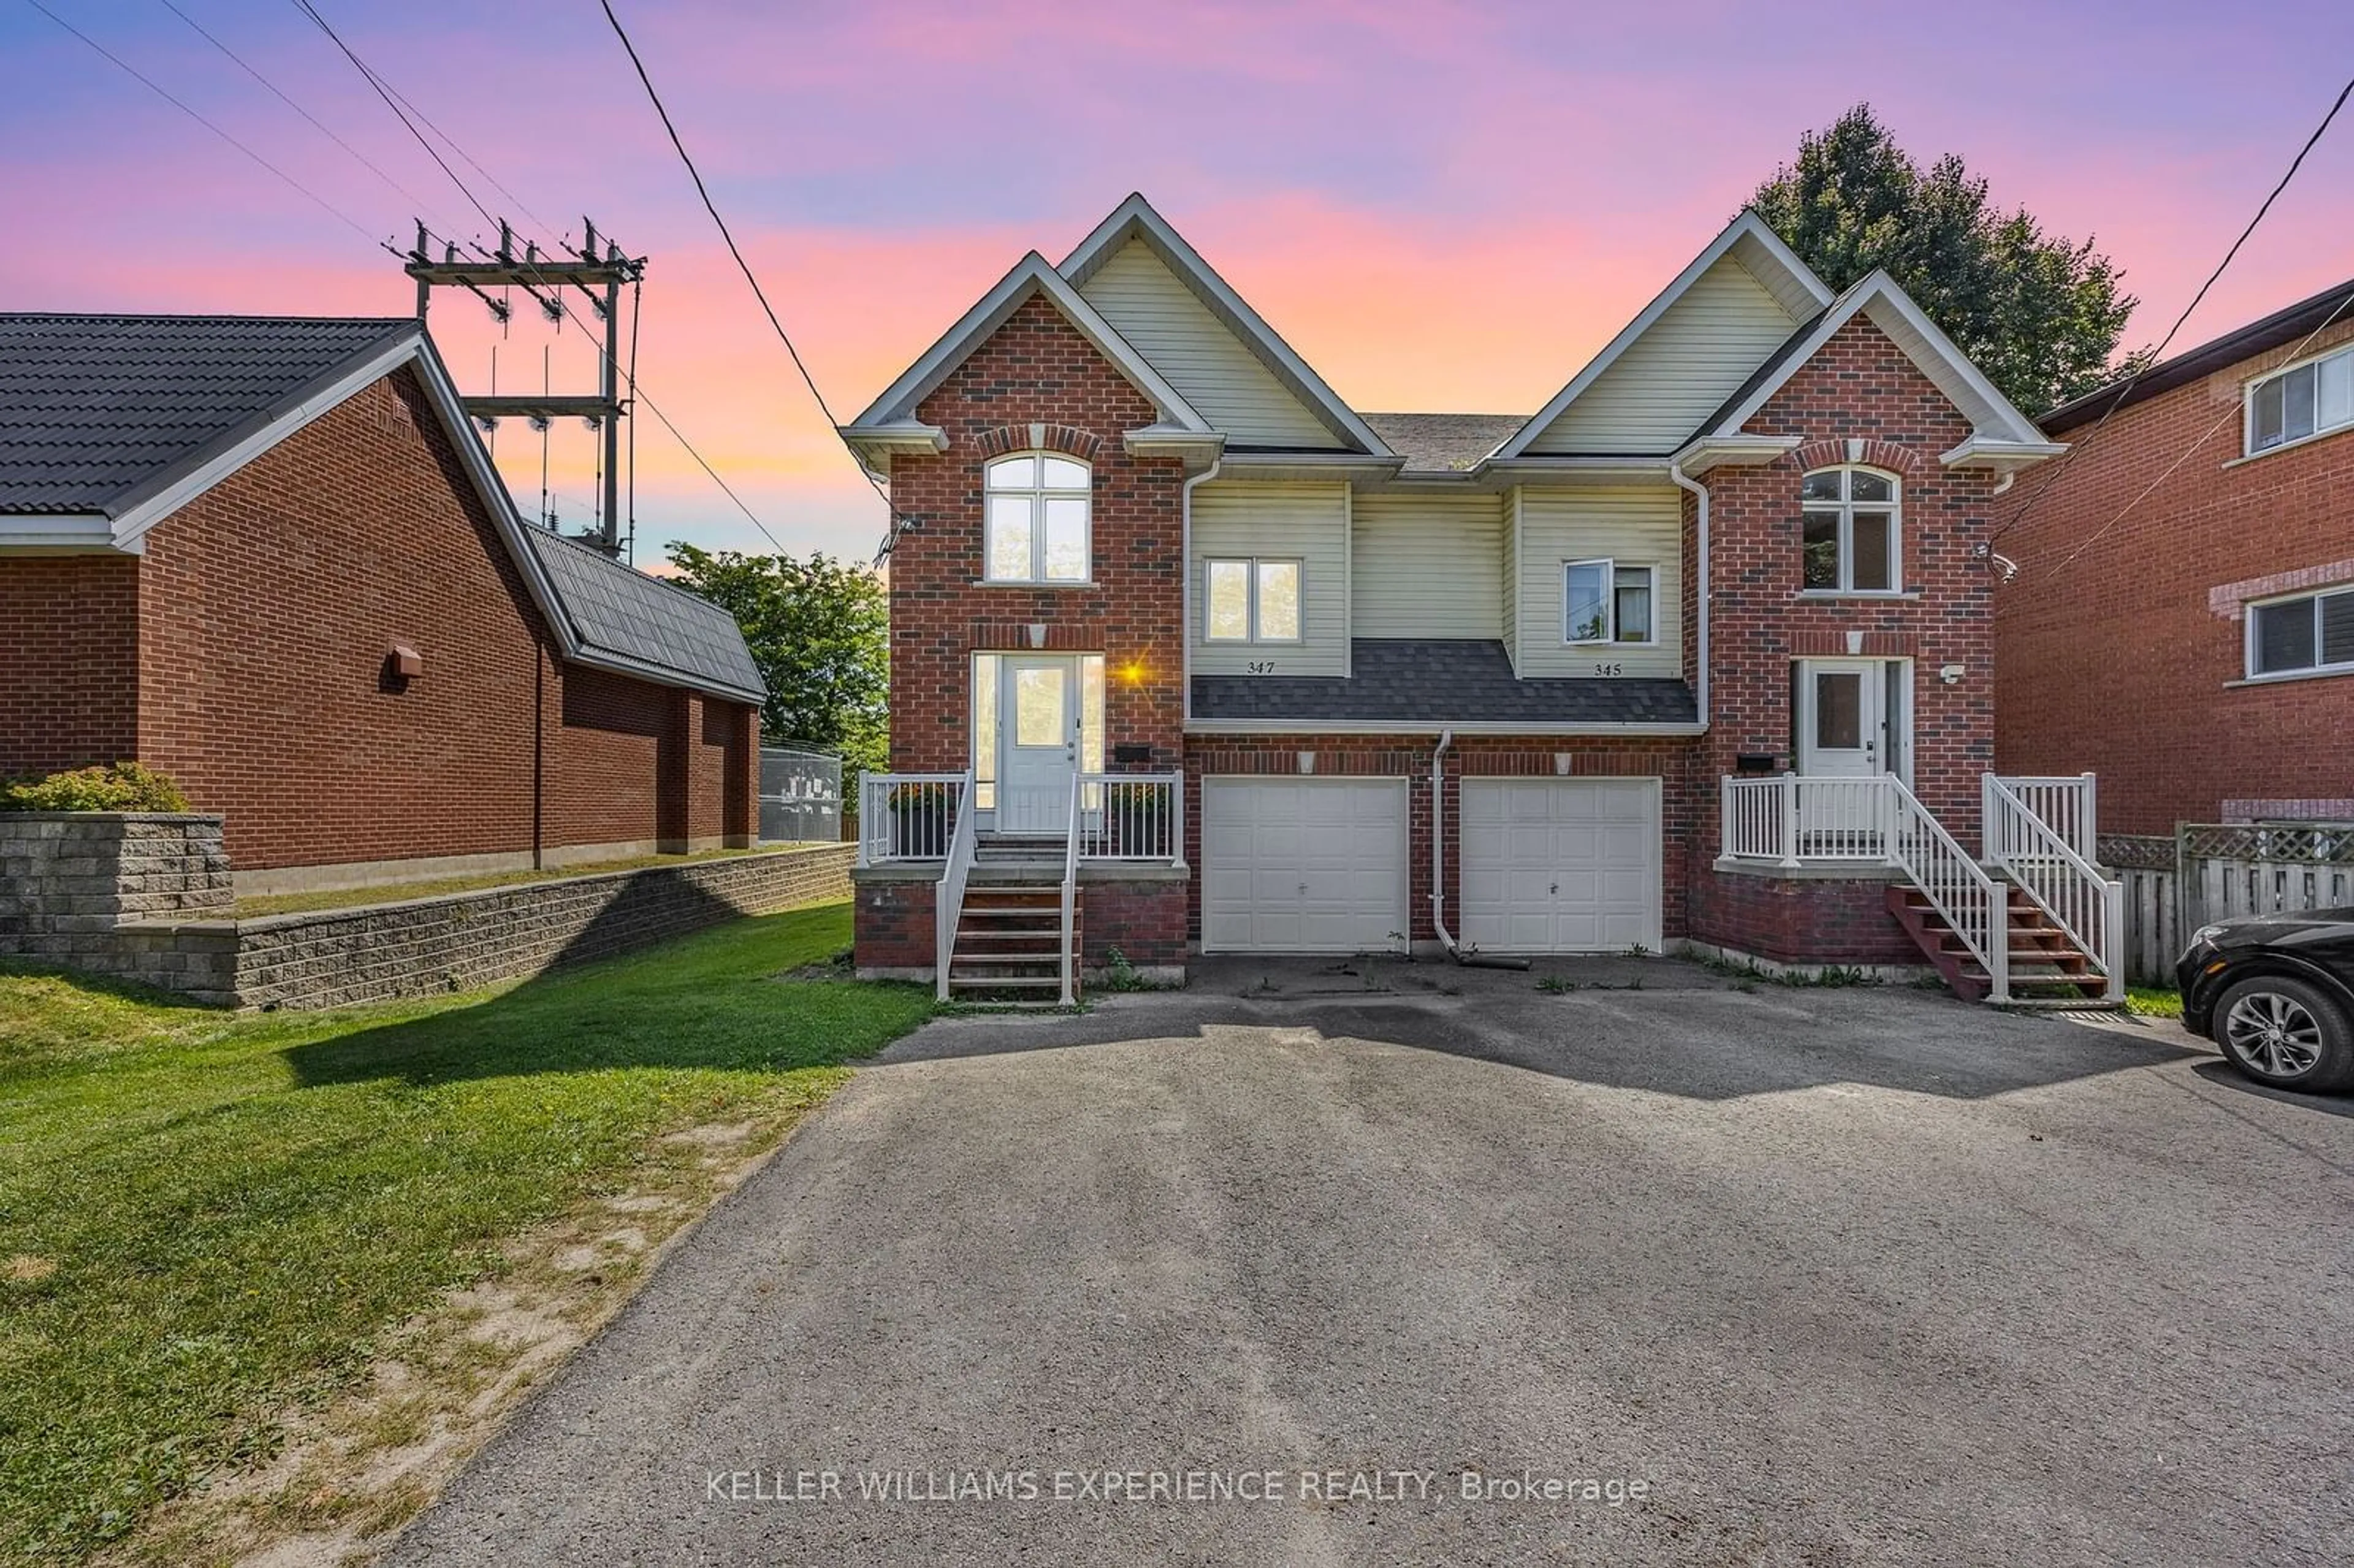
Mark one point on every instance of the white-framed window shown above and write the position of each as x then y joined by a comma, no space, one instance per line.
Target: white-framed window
2307,633
1849,540
1251,601
1609,601
2303,401
1035,522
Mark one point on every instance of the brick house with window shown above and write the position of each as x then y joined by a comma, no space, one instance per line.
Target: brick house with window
270,558
1190,656
2181,616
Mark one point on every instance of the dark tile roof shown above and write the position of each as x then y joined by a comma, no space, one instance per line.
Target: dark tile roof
1442,443
2282,327
99,412
1763,373
621,613
1438,683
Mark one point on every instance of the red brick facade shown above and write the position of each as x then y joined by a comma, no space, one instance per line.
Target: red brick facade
1036,369
2120,644
245,655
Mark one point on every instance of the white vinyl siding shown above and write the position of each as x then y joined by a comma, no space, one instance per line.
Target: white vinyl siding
1210,366
1693,358
1430,564
1510,604
1306,522
1634,525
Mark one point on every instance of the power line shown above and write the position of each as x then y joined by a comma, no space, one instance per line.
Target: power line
129,69
733,250
394,100
323,129
2229,416
2159,352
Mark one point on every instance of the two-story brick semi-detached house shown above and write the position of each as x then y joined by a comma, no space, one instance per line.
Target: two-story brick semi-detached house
1188,655
271,557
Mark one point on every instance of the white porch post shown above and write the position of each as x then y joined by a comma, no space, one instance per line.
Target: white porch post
1790,818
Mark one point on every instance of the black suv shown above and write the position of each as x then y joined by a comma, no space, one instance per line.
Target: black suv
2276,992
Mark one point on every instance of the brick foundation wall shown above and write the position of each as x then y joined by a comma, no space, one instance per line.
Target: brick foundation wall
1796,921
1859,385
1146,921
69,647
896,926
2117,642
1035,369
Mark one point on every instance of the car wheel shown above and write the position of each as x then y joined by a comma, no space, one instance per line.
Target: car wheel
2286,1032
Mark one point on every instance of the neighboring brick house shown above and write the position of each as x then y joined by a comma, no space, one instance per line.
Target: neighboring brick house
2181,615
1299,679
270,558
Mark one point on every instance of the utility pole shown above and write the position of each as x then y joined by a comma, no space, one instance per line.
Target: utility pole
600,277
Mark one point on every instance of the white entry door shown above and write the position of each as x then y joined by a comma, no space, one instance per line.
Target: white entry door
1842,717
1303,865
1038,742
1561,866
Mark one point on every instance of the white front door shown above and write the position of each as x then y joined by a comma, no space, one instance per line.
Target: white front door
1303,865
1038,708
1843,718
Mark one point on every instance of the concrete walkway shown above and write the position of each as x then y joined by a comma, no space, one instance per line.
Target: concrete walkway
1683,1274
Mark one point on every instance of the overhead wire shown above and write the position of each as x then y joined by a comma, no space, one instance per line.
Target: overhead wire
2147,361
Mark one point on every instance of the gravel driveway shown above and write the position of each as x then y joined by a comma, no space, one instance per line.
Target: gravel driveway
1683,1274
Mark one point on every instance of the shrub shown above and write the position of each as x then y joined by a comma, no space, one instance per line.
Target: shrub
125,787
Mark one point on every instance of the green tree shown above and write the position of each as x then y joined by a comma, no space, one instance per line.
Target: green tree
820,631
2038,313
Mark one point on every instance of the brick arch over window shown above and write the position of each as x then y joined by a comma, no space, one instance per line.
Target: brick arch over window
1891,455
1068,440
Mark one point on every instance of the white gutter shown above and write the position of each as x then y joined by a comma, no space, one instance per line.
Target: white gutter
1185,594
1417,726
1438,844
1700,597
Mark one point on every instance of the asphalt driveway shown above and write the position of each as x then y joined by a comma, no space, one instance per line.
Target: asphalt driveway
1681,1274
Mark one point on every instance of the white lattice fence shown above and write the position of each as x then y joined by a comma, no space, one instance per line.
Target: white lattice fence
2208,871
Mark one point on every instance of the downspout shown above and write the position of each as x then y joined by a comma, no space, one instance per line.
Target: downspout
1475,959
1700,595
1185,570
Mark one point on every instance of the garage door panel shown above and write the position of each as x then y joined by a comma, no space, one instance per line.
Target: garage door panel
1560,865
1321,866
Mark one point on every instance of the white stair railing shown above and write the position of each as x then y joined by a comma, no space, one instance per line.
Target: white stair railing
948,899
1971,902
2064,804
1071,890
2063,884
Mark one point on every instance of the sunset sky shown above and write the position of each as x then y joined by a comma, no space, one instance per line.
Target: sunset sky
1441,206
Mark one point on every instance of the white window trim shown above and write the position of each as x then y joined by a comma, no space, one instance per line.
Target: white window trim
2250,674
2248,450
1039,495
1847,509
1251,565
1611,568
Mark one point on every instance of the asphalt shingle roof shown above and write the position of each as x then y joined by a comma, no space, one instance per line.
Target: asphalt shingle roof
1442,443
97,412
1400,681
621,613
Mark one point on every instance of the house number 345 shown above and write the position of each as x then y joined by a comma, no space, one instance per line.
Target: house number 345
1610,669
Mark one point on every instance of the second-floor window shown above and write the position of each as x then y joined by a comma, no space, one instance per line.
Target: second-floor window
1850,532
2310,400
1607,601
1250,602
1035,528
2311,632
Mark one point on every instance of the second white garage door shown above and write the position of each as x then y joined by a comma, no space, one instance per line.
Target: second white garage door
1302,865
1561,866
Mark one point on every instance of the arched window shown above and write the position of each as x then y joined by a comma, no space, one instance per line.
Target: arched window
1850,532
1034,529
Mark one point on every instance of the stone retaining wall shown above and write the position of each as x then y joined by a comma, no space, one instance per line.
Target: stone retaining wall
69,880
383,952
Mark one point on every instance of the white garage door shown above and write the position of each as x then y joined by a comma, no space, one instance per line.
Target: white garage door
1302,865
1561,866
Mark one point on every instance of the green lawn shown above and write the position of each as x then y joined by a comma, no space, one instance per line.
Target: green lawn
205,1216
2152,1002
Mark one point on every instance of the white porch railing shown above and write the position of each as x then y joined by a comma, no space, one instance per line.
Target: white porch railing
2065,805
1792,818
2065,883
1973,904
948,902
1071,890
1130,816
910,815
